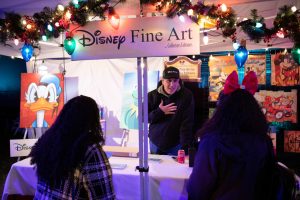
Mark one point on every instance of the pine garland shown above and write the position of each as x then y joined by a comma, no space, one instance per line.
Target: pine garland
255,33
289,22
12,28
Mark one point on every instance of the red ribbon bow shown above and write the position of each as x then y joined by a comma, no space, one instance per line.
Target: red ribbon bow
250,83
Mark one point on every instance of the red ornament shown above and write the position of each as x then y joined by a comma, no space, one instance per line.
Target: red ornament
64,23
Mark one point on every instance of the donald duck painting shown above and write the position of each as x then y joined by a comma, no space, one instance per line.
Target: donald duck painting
43,99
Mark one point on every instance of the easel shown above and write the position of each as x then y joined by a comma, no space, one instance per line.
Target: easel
125,137
37,132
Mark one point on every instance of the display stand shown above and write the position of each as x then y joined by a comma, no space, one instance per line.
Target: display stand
25,133
24,137
125,137
103,127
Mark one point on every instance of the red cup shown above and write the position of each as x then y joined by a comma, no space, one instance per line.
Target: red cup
181,156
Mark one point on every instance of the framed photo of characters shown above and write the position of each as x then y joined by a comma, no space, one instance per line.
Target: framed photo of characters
285,71
278,106
42,98
219,68
257,63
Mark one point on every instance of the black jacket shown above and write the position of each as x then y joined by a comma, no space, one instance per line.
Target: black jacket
231,167
167,131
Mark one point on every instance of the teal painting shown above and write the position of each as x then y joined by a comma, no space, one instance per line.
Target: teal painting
129,110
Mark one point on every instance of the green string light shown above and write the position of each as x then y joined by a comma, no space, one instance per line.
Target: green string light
296,53
70,45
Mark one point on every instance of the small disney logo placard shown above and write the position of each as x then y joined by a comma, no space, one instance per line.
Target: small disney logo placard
21,147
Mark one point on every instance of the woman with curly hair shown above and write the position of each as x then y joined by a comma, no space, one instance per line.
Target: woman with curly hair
70,162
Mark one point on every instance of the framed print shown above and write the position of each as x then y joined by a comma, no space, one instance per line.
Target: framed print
278,106
129,109
42,98
285,71
291,141
219,68
257,63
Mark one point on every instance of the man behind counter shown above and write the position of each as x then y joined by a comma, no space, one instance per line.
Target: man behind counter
171,115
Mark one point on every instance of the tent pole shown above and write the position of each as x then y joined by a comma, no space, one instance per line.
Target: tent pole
140,118
145,117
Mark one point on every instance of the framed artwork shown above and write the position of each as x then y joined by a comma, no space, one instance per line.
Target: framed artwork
291,141
189,69
42,98
129,109
219,67
285,71
257,63
278,106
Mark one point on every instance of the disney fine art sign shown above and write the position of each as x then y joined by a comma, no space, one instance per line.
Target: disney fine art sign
136,37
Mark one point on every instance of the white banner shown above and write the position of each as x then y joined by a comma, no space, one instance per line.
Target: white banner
136,37
21,147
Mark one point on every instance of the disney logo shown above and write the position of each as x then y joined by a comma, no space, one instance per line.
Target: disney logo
20,147
89,39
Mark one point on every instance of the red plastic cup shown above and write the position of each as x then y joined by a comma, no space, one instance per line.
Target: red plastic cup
181,156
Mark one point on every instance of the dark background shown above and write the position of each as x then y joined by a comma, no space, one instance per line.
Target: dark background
10,76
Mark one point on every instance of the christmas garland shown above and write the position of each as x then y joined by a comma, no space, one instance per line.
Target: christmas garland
50,22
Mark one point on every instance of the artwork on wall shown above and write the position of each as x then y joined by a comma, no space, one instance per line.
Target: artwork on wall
285,71
291,141
219,68
257,63
129,109
42,98
190,70
278,106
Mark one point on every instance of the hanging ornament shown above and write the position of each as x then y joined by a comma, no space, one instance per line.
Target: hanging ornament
27,52
69,45
296,53
241,54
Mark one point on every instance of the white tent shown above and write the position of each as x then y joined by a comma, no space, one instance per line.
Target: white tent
100,79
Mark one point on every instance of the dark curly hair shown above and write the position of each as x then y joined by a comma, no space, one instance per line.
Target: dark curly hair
236,113
61,149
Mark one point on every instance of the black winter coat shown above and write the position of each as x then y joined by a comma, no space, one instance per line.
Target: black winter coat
167,131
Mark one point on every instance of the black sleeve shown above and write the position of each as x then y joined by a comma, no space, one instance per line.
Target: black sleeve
154,112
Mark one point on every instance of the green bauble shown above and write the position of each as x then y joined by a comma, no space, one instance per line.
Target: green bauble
296,53
70,45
